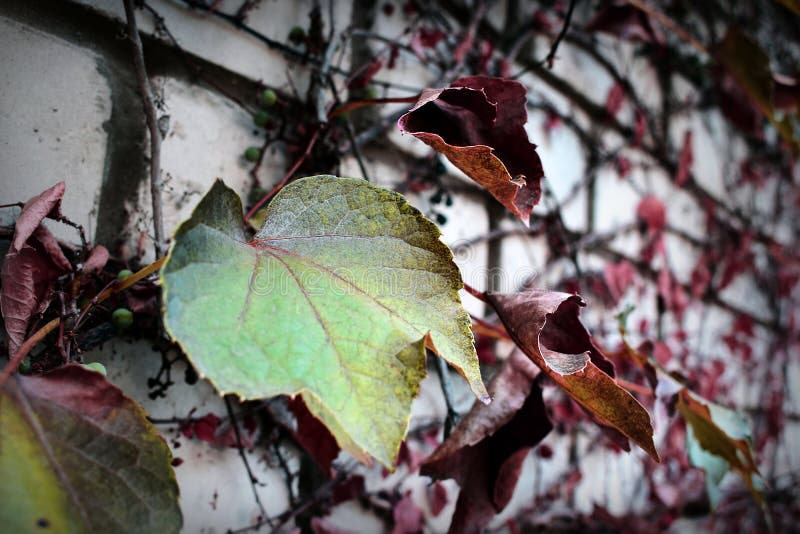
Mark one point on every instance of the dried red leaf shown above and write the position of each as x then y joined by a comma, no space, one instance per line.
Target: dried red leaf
540,22
484,454
615,98
652,212
203,428
547,327
425,38
97,259
623,165
31,266
672,293
313,436
626,22
736,106
619,277
365,74
408,518
544,451
48,202
437,495
212,429
49,245
478,124
701,277
639,127
27,277
350,489
685,160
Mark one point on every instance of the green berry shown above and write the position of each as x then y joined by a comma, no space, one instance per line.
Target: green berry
262,118
96,366
297,35
124,274
268,98
25,366
122,319
252,153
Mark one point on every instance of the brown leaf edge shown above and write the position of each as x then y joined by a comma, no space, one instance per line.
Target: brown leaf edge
485,452
89,395
478,124
547,327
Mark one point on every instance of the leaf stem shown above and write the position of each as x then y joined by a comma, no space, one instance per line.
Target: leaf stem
480,295
449,399
26,347
350,106
252,478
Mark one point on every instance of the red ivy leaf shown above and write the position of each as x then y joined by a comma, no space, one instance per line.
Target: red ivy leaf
48,202
313,436
672,293
31,266
211,429
623,165
437,494
547,327
626,22
484,454
408,518
619,277
203,428
653,213
639,127
478,124
365,74
615,98
97,259
685,160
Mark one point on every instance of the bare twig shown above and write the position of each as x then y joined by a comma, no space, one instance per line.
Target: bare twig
251,477
286,176
551,56
146,93
287,51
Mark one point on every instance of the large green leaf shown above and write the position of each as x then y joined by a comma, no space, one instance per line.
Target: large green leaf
76,455
333,299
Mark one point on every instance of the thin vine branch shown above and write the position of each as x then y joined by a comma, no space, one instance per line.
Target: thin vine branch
146,93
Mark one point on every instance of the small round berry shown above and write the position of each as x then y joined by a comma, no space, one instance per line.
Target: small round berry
262,118
124,274
122,319
268,98
252,153
297,35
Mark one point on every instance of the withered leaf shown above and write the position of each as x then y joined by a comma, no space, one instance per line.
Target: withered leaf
485,452
478,123
547,327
